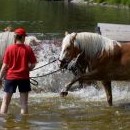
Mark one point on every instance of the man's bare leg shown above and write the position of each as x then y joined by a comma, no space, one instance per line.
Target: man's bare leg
5,102
24,103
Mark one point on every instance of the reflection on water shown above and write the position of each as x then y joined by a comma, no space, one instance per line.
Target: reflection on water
43,16
68,113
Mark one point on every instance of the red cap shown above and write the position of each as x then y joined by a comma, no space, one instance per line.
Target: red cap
20,31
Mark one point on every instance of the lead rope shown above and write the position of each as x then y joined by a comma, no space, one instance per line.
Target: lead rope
46,74
45,64
35,82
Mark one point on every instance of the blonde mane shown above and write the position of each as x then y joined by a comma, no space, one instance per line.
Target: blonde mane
94,44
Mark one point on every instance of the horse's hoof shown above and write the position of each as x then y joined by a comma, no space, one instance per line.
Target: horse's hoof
63,94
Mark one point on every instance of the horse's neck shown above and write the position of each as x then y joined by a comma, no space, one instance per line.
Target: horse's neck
83,41
93,44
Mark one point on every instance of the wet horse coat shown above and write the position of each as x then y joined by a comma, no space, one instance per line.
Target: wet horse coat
108,59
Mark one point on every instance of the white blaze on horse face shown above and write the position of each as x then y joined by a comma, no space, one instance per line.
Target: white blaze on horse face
66,48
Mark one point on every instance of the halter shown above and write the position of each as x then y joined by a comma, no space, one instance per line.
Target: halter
78,44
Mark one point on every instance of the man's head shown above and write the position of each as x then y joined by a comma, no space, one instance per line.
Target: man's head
20,34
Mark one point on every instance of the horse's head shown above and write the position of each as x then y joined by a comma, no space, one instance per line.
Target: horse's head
69,50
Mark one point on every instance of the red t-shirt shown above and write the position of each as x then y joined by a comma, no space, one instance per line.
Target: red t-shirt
18,57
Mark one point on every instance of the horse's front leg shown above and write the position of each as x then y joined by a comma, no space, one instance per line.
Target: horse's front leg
87,76
108,90
64,91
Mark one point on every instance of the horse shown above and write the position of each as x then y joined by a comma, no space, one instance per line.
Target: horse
7,38
107,59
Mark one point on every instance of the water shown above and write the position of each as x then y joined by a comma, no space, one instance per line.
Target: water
57,17
51,112
84,109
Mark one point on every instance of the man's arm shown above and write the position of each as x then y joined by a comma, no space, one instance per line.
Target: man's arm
31,66
3,70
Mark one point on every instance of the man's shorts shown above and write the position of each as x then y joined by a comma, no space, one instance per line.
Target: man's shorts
11,85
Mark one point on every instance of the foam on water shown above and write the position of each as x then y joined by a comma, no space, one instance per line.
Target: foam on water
120,92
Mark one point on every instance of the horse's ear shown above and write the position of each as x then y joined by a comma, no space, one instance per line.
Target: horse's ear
66,33
73,36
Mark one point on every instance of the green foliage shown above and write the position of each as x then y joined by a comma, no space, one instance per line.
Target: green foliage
114,1
124,2
100,1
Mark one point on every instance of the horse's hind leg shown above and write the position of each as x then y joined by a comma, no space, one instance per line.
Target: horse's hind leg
108,90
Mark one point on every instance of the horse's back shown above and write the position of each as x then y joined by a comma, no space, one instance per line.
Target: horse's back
6,38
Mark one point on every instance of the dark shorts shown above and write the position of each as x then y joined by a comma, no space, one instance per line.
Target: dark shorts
11,85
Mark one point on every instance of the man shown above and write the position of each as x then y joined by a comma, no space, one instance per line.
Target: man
18,60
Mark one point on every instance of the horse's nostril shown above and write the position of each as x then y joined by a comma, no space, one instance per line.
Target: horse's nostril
62,63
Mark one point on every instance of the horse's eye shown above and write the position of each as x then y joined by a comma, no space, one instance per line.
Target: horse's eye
68,48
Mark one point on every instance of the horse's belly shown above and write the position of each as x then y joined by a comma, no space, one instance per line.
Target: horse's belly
118,75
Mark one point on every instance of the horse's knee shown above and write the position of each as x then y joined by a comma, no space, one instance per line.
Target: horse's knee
68,86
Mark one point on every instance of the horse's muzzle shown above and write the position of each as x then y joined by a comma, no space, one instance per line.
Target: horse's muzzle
63,64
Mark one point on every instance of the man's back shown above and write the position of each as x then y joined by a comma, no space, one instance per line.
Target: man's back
18,57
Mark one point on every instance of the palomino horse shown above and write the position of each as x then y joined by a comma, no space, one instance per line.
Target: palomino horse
107,59
7,38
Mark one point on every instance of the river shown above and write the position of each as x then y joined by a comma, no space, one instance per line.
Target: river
84,109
